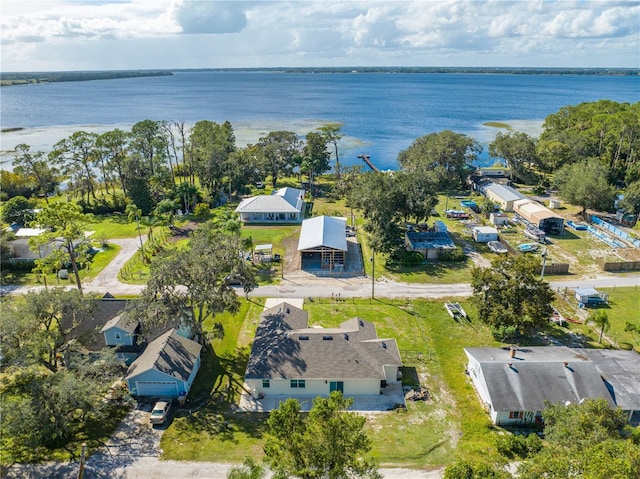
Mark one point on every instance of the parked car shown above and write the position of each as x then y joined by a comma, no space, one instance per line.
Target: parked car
160,412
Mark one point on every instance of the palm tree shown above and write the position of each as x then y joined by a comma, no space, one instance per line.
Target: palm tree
601,319
134,213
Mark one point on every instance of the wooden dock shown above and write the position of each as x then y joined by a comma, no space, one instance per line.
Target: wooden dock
366,159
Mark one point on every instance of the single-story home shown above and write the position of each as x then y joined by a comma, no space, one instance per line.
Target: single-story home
121,333
290,358
484,234
514,384
283,206
430,243
323,243
539,216
498,219
166,368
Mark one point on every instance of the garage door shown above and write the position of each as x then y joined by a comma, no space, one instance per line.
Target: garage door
157,388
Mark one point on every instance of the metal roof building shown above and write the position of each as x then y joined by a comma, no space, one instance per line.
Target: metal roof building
323,242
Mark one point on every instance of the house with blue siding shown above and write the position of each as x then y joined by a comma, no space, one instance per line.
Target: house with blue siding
166,368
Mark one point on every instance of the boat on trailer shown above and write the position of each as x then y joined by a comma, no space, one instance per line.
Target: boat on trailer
455,310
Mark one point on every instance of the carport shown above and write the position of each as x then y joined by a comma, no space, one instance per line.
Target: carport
323,243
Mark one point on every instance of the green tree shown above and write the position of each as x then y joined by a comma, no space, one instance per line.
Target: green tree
315,156
587,440
66,224
34,165
466,470
112,150
76,156
631,199
210,145
519,151
330,443
18,210
331,133
585,184
190,282
511,294
278,150
445,156
601,319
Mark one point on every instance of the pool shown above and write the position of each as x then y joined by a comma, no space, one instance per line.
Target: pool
602,236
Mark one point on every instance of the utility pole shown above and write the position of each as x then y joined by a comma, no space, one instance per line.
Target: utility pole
544,262
373,273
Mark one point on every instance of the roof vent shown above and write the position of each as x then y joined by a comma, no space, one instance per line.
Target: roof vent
303,338
346,337
288,311
361,323
327,338
384,345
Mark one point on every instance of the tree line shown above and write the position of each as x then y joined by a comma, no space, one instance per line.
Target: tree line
158,160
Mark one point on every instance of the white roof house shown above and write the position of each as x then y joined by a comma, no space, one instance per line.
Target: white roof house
283,206
323,242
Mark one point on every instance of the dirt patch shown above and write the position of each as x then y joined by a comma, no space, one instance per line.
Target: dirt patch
182,232
291,255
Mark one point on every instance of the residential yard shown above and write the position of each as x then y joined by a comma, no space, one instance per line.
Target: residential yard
451,425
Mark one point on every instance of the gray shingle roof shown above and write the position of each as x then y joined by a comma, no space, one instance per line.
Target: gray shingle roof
621,370
120,322
285,347
536,375
170,354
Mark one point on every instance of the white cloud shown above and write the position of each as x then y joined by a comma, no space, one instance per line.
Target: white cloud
200,33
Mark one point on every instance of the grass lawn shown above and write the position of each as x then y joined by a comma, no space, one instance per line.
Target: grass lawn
430,434
113,226
26,278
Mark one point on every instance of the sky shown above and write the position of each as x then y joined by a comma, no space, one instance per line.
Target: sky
57,35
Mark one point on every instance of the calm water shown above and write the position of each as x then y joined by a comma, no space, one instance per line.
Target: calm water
381,114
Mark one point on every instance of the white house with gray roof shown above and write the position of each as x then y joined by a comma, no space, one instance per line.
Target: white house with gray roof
283,206
514,384
166,368
289,358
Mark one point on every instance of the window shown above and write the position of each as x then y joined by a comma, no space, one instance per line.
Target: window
515,415
298,383
266,383
117,335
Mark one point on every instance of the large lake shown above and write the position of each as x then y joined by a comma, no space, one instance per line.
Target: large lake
380,114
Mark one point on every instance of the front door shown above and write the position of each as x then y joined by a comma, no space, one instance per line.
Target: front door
336,386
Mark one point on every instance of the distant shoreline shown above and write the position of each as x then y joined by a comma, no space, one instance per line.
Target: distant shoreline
25,78
29,78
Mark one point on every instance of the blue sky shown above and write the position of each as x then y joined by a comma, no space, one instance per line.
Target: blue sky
46,35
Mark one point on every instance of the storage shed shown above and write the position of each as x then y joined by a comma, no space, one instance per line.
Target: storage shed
539,216
505,196
498,219
484,234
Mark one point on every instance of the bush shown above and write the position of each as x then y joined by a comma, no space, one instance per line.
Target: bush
452,255
202,210
504,334
464,470
511,445
412,258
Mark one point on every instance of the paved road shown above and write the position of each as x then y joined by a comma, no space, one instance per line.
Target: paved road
133,451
